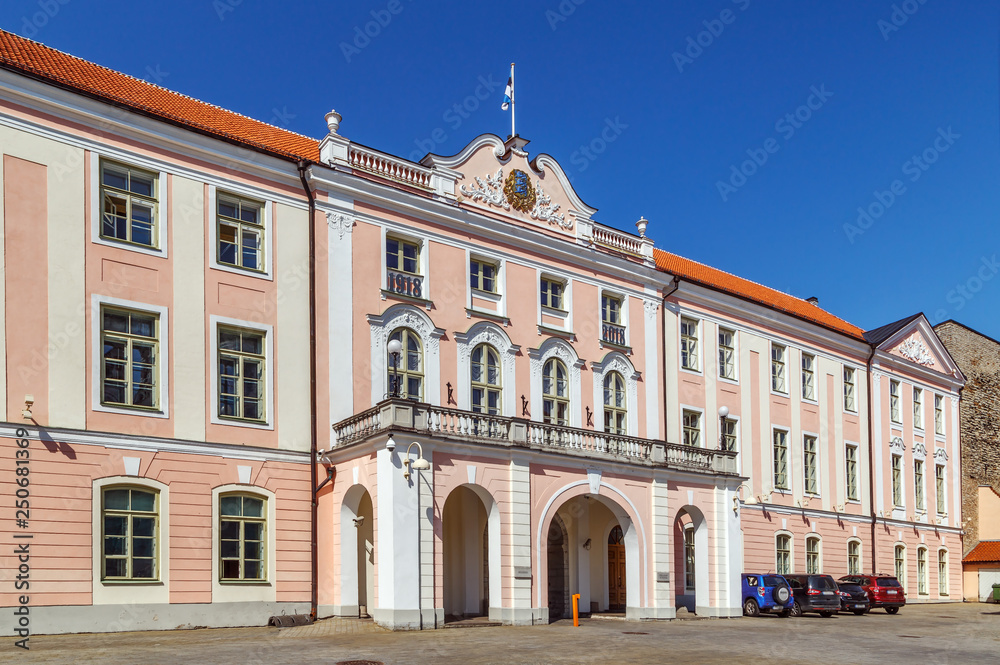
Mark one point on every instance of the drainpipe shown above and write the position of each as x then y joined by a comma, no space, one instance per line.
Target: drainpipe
676,284
314,550
871,457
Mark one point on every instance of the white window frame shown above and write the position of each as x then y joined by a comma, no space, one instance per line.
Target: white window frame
499,296
791,552
923,577
939,427
860,545
231,591
735,378
424,259
817,456
267,211
920,486
901,490
819,553
854,389
941,498
896,560
556,347
812,399
163,363
565,314
269,371
943,586
412,316
696,369
773,365
857,473
623,300
788,460
701,424
918,405
689,530
895,414
616,361
735,420
486,332
97,207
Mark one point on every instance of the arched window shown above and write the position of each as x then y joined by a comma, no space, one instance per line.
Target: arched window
783,554
615,406
129,517
853,557
812,555
242,542
689,559
942,572
555,393
485,376
410,369
922,570
899,555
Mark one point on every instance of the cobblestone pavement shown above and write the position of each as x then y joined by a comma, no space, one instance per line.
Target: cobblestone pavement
925,634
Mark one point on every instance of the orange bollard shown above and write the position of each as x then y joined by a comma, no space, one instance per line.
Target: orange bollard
576,610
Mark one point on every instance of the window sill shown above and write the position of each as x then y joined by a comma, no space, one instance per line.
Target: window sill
627,350
237,422
486,295
553,311
130,246
246,583
132,582
131,410
405,298
492,316
237,270
691,370
557,332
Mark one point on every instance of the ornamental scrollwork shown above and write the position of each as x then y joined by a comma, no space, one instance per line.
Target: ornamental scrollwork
339,222
544,211
914,350
518,193
896,445
489,191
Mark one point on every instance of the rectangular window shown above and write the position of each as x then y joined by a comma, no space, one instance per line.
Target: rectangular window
918,484
918,408
729,434
402,256
689,559
850,404
938,414
899,557
727,354
689,343
808,376
778,369
783,555
812,556
129,367
241,374
240,228
692,428
809,457
129,204
851,471
922,571
780,459
129,533
612,324
483,276
853,558
552,293
241,538
894,402
939,487
942,573
897,481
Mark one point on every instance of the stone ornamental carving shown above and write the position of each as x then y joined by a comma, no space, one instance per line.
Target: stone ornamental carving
919,450
940,455
339,222
518,193
651,307
896,445
914,350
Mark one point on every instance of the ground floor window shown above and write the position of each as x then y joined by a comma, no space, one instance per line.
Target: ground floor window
943,572
783,554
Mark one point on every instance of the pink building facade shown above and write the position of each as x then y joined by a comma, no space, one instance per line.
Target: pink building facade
257,373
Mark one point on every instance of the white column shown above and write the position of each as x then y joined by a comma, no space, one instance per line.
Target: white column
651,373
398,533
663,597
519,610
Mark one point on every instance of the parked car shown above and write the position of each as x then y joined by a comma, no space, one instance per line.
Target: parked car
883,591
814,593
853,598
766,593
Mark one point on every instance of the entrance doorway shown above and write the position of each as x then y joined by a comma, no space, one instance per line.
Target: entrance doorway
616,570
558,568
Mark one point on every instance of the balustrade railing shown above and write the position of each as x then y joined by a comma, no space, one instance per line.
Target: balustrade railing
623,242
390,167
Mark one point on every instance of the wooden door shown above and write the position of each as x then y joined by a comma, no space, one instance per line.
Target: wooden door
616,570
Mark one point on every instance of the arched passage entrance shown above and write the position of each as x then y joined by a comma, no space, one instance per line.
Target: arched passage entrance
357,552
470,549
690,536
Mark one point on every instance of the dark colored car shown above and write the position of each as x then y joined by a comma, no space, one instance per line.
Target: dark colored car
766,593
883,591
814,593
853,598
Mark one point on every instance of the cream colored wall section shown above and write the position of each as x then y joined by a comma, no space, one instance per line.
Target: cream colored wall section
292,352
67,338
989,514
188,246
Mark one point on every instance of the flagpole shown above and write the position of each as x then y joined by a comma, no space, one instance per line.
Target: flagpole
512,132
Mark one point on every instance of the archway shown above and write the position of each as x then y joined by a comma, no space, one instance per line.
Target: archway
691,575
617,573
557,564
357,552
470,550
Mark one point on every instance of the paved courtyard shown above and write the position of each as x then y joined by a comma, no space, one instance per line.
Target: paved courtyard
925,634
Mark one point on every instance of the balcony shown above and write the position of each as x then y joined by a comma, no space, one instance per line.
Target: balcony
398,415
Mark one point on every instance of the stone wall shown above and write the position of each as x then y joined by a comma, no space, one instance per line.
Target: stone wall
978,357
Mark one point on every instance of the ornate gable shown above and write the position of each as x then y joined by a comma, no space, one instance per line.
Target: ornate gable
915,342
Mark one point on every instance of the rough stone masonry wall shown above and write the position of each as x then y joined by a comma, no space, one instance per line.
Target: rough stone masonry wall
978,357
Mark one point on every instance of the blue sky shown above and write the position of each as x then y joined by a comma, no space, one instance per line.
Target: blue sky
749,133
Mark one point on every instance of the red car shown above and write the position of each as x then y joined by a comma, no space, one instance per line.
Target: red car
883,590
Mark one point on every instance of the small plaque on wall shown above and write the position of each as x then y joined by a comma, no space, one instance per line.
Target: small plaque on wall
662,577
522,572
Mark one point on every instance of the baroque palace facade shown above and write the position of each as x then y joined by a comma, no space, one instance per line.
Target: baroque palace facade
258,373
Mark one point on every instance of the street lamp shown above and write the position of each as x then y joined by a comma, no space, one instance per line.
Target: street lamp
395,347
419,464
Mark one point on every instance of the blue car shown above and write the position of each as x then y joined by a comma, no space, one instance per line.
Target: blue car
766,593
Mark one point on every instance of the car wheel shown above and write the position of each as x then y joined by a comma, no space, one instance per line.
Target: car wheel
750,608
796,609
859,612
891,610
826,615
784,614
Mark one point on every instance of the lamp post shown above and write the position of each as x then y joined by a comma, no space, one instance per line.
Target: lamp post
723,412
419,464
394,348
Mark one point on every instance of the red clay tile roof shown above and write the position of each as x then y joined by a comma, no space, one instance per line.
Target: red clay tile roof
720,280
39,61
987,551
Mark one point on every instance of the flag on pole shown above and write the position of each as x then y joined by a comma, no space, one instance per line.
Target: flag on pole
508,94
